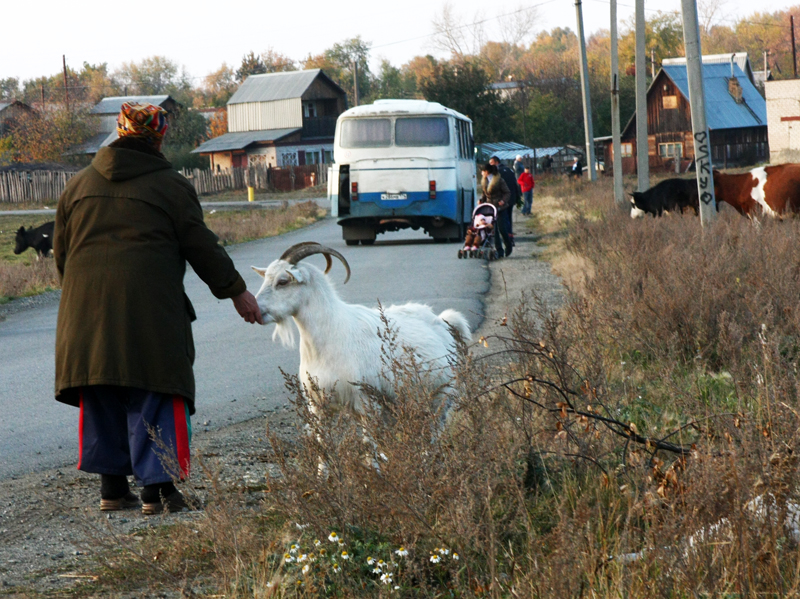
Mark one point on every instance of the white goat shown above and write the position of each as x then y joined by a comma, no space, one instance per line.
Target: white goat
339,342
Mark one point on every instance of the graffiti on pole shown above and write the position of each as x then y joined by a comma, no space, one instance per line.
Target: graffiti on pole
703,165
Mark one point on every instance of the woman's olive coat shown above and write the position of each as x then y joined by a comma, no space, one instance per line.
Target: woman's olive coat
495,192
125,227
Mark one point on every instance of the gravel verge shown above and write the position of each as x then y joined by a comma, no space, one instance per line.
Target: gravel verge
48,519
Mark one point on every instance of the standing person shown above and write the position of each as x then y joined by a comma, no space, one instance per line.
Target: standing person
511,183
577,168
495,191
518,166
125,227
526,184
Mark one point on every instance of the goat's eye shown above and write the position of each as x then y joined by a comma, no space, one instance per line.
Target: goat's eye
282,282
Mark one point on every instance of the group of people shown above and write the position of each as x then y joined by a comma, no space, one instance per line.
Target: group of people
504,188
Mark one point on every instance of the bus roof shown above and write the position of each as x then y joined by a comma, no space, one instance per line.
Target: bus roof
398,107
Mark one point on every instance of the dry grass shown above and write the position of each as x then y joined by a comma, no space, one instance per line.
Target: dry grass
238,226
623,450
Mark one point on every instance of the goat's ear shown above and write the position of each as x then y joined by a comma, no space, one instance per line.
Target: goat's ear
295,274
261,271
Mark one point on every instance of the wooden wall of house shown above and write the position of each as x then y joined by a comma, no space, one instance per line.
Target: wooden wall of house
333,100
257,116
667,110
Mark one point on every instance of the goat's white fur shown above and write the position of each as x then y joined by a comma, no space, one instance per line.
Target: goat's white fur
339,342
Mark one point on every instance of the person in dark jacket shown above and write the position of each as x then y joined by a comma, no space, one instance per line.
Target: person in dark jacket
495,191
511,182
125,227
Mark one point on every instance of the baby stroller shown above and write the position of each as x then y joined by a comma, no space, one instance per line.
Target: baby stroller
479,241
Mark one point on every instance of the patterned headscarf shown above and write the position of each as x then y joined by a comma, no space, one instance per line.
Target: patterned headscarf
145,121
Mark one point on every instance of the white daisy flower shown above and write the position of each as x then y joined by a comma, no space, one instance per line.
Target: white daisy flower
303,557
306,568
396,588
293,549
381,563
317,542
402,552
435,559
455,556
322,552
301,526
288,558
333,537
345,555
370,560
386,578
376,570
341,543
444,551
336,567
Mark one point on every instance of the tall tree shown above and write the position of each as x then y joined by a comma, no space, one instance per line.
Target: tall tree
337,62
252,64
218,86
154,75
465,87
9,88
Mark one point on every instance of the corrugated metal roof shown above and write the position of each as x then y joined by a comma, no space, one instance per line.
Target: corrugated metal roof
739,58
239,141
94,143
508,150
4,105
274,86
113,104
722,111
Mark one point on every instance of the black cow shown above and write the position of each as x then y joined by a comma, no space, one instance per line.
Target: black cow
670,195
40,239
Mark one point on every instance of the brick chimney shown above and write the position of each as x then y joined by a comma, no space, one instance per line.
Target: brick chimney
735,89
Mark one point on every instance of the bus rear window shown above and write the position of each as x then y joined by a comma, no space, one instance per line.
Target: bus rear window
366,133
424,131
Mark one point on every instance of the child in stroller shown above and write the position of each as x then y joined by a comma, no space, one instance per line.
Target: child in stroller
479,240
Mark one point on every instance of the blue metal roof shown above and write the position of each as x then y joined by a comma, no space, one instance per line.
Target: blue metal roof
722,111
239,141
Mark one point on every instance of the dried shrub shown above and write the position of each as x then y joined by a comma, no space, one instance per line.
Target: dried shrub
19,279
237,226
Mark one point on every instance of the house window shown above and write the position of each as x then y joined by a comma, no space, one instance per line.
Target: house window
312,157
626,150
328,157
670,102
289,159
671,150
309,109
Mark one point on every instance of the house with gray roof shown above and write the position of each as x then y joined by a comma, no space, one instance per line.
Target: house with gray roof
279,119
736,114
11,111
107,111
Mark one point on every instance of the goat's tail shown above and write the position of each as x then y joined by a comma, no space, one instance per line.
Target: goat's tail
456,320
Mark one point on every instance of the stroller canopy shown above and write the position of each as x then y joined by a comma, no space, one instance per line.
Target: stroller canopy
485,209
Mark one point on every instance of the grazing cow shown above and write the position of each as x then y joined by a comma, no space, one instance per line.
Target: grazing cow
668,196
772,190
40,239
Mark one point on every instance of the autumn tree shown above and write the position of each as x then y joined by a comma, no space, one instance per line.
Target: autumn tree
9,88
337,62
217,88
49,134
155,75
218,124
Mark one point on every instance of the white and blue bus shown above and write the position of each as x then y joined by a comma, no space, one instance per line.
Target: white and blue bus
401,164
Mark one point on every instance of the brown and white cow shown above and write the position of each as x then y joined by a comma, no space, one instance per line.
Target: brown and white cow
771,190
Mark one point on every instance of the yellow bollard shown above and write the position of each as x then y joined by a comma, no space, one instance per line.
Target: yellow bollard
251,194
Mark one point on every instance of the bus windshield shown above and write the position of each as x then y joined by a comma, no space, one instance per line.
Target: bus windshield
366,133
425,131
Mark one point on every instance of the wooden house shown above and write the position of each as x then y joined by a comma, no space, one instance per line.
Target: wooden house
10,113
107,111
279,119
736,114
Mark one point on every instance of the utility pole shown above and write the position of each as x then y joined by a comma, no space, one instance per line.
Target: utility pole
355,81
616,146
652,63
66,91
794,53
42,86
702,143
587,102
642,152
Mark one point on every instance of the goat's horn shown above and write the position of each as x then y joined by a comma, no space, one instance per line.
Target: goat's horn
308,248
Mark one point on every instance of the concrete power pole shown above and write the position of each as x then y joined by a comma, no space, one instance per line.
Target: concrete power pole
587,102
642,153
702,144
619,194
355,82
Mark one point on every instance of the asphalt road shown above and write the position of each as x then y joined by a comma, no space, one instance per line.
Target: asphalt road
237,365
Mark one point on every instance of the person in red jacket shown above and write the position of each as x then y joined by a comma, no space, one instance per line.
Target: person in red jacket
526,184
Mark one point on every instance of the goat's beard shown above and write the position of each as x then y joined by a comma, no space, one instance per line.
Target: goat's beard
285,332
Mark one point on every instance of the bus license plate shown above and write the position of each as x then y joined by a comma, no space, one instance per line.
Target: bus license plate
394,196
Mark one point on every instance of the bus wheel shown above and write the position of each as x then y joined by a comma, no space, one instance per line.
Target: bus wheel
351,241
367,241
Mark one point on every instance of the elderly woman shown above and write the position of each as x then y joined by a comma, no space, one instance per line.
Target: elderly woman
125,228
496,191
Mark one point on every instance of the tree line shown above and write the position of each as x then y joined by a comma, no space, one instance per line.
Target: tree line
543,106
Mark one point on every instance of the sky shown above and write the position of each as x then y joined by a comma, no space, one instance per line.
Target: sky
201,35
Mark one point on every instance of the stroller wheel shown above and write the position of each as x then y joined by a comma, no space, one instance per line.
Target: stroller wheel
460,254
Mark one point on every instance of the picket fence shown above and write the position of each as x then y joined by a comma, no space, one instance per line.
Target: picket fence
32,186
43,186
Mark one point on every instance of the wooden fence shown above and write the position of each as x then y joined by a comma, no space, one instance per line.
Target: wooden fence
43,186
287,178
32,186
